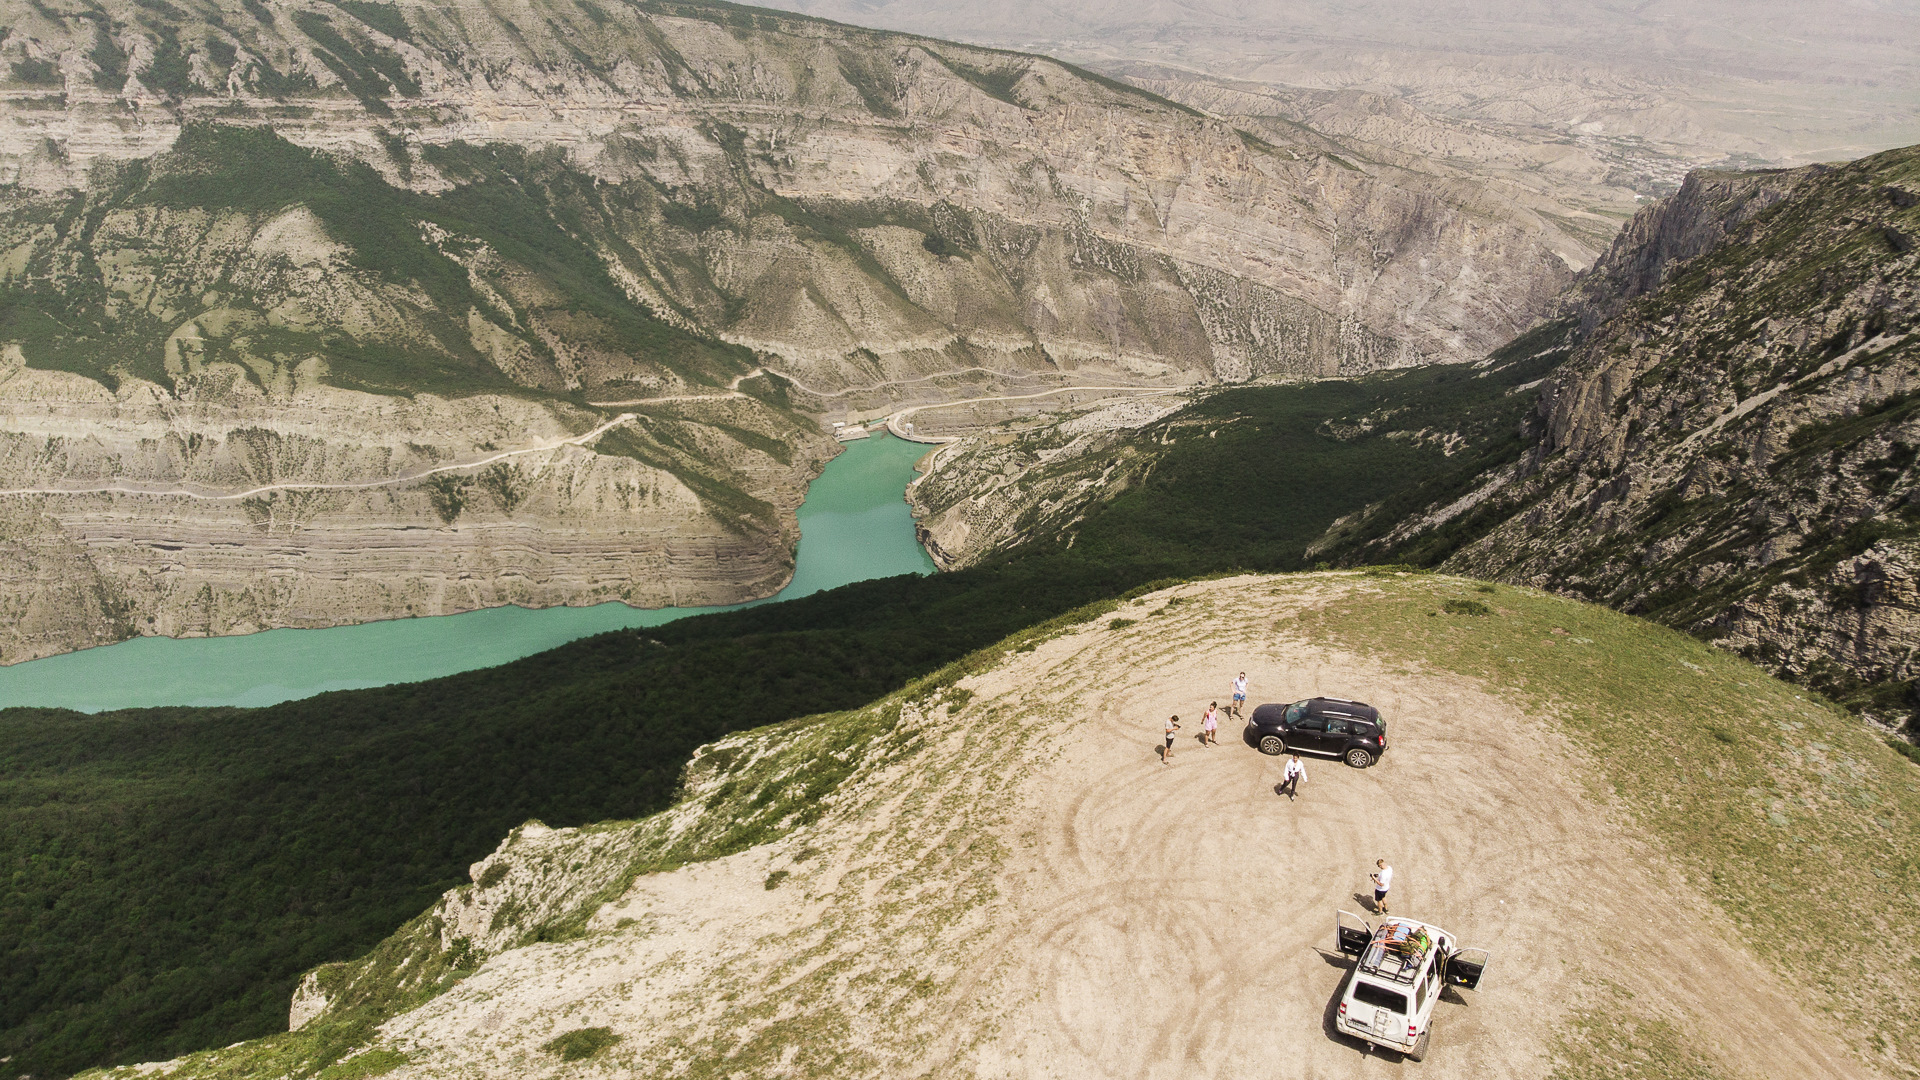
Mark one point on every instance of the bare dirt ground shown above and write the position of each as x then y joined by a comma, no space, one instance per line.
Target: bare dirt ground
1180,918
1038,896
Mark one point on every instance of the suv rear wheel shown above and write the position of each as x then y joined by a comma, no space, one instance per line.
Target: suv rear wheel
1357,758
1419,1051
1272,745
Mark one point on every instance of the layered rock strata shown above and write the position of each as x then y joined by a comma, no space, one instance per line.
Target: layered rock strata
523,221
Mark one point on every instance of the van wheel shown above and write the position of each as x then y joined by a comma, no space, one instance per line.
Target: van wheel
1359,758
1272,746
1419,1051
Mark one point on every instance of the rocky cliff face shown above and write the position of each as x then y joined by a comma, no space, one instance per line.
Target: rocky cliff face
319,250
1731,449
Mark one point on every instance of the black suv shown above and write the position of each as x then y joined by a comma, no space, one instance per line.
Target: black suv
1332,727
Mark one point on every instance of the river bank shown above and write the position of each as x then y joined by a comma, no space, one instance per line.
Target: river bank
854,525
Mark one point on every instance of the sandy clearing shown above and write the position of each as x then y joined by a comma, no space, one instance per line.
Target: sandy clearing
1140,920
1178,920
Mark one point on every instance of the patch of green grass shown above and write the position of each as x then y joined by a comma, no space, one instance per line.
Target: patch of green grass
1616,1041
581,1044
1466,607
376,1062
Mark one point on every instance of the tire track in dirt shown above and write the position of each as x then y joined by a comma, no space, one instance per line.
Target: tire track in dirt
1178,919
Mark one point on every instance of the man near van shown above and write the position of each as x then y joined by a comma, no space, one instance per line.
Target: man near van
1382,881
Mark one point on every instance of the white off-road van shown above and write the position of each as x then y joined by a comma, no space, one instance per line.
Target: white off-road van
1401,968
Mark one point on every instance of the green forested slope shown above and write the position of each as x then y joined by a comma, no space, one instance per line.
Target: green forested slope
170,872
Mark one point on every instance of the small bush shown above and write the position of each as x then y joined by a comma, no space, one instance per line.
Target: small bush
1483,588
494,875
774,879
1121,624
1911,751
582,1044
1466,607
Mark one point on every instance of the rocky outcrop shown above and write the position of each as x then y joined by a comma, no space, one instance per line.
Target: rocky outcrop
1731,449
1033,480
1708,208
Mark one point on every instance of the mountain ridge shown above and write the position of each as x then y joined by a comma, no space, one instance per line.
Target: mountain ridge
255,210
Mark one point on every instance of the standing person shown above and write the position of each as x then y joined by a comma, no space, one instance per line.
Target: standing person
1240,695
1166,752
1382,880
1296,771
1209,724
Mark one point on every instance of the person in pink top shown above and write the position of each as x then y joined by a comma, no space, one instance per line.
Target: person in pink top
1210,724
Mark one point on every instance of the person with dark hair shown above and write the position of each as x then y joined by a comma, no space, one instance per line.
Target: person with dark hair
1295,772
1166,752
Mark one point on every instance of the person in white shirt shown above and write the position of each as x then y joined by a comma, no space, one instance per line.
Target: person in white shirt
1295,772
1166,752
1239,705
1382,880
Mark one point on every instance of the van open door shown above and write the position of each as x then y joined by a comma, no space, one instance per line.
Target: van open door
1465,967
1352,932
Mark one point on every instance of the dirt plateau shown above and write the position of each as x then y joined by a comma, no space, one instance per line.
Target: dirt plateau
1011,883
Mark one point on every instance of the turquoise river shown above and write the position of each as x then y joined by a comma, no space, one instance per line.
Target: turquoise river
854,526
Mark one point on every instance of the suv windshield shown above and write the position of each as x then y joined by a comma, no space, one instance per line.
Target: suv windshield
1380,997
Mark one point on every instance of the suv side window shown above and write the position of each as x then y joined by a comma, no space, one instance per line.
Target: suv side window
1339,727
1312,723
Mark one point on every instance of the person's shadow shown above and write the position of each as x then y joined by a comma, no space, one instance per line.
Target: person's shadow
1365,900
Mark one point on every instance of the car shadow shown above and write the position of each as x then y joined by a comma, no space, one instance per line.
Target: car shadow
1335,959
1247,736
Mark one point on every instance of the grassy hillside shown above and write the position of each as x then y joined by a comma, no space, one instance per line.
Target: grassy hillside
1779,809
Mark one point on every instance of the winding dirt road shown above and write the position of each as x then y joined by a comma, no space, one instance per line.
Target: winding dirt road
122,487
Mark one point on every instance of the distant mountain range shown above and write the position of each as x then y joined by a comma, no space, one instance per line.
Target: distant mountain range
381,284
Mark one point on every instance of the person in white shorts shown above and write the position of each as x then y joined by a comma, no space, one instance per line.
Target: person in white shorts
1382,881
